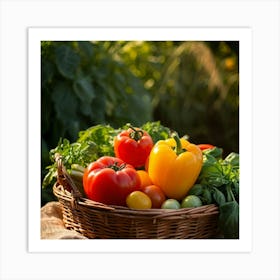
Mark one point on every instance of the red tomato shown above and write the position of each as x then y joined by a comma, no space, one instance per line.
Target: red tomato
109,180
205,146
133,146
155,194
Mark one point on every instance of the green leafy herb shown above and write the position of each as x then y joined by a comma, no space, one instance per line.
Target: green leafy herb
218,183
79,153
233,159
214,152
229,219
218,196
206,196
157,131
102,136
197,190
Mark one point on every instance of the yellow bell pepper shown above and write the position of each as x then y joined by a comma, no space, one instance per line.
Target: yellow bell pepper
174,165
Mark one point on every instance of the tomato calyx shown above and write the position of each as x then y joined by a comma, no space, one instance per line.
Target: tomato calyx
117,167
135,134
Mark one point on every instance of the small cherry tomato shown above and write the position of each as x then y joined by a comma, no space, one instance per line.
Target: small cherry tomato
138,200
155,194
144,178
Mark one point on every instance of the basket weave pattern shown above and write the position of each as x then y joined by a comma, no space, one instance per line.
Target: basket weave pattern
97,220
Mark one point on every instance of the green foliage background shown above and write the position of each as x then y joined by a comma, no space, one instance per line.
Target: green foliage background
191,87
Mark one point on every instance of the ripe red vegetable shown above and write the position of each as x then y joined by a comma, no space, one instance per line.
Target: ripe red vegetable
110,180
205,146
156,195
133,146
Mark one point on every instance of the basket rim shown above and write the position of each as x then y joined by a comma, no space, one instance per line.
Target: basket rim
65,195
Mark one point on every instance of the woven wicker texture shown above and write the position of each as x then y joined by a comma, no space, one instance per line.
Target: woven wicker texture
96,220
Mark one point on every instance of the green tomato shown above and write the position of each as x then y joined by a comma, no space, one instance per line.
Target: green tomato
170,204
191,201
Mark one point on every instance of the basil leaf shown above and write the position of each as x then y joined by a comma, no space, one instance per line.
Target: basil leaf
215,152
197,190
206,196
218,197
233,159
229,219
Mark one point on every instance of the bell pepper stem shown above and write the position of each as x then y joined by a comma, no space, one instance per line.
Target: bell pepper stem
178,148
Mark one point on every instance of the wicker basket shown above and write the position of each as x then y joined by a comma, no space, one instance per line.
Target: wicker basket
96,220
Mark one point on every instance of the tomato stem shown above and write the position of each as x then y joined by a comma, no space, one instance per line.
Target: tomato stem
135,134
117,167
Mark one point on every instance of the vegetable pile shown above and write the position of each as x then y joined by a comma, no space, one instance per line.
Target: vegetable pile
218,183
151,167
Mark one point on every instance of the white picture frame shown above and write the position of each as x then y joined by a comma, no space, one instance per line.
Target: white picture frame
20,259
243,35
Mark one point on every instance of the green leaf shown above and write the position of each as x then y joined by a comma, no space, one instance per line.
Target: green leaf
206,196
210,169
102,136
136,109
208,159
157,131
48,71
67,60
217,181
233,159
98,108
229,193
87,48
196,189
85,92
84,89
218,197
65,103
215,152
229,219
235,189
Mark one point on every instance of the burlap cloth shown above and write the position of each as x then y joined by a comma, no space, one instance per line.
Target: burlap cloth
52,226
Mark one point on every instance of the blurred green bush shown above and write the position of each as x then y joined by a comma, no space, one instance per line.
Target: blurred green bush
191,87
84,84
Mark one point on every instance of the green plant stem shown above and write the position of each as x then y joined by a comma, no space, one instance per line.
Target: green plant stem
230,193
178,148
